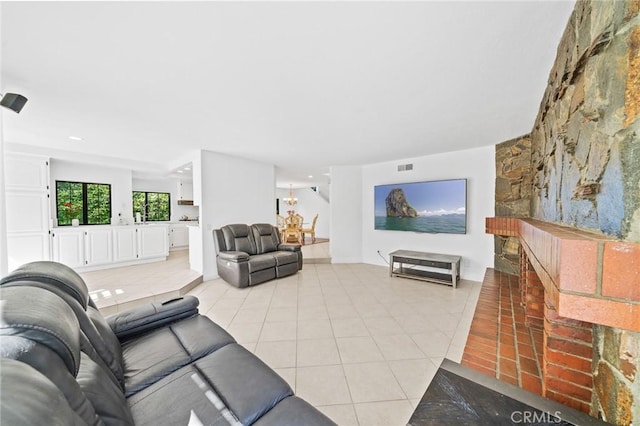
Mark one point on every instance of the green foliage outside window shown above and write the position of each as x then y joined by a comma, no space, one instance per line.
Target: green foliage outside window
154,206
90,203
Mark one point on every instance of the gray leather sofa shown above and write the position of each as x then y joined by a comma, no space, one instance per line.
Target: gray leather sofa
252,254
62,363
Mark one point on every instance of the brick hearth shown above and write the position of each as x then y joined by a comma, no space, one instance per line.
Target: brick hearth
536,329
500,344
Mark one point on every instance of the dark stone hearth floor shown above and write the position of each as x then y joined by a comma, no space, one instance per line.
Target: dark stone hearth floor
458,395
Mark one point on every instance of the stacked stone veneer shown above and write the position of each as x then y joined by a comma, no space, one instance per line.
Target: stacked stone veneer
512,197
586,163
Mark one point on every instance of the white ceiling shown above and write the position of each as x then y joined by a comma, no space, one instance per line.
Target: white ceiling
302,85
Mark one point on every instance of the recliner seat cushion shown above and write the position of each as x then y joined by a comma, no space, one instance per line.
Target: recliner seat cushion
152,356
232,375
260,262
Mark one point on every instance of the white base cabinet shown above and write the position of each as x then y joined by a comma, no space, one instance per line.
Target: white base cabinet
178,236
109,246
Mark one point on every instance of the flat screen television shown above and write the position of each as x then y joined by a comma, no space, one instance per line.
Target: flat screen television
431,206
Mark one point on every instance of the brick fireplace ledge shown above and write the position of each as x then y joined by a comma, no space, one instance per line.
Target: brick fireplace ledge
587,276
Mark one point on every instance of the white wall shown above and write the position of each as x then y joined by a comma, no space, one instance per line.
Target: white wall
119,179
346,214
475,247
169,185
309,204
230,190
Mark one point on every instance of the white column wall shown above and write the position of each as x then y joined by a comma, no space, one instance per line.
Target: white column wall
346,214
231,190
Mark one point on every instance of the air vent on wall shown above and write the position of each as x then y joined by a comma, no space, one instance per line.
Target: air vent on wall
405,167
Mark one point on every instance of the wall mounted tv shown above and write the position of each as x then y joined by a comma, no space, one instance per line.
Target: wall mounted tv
432,206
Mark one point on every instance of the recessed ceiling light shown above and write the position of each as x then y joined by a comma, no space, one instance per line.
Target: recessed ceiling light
75,138
187,168
310,176
180,171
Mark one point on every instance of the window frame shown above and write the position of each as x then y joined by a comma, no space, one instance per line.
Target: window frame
146,205
84,217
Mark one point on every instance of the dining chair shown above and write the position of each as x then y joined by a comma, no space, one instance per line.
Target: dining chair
311,231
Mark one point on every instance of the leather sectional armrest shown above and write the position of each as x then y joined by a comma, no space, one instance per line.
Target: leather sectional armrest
289,247
234,256
154,315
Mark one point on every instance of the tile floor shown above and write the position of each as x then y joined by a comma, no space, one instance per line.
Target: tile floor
500,345
357,344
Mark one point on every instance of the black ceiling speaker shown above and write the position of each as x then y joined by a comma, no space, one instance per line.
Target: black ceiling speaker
13,101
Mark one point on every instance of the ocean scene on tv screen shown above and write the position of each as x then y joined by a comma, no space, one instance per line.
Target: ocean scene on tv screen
436,206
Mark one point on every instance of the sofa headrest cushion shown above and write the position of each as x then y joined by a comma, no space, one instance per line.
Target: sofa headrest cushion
42,317
53,273
237,237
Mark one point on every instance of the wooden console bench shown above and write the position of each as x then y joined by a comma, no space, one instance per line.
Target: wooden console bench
430,260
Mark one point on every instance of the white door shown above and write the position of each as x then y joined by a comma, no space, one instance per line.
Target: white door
124,244
27,201
98,246
68,247
152,241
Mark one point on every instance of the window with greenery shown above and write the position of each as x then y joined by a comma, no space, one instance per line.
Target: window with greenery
153,206
90,203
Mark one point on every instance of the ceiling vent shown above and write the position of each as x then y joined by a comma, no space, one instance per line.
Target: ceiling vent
405,167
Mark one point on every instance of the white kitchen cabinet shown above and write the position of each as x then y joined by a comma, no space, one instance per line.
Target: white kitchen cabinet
68,247
98,245
153,241
178,235
185,190
27,208
125,243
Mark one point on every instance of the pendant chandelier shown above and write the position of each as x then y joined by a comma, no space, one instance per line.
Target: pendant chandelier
290,200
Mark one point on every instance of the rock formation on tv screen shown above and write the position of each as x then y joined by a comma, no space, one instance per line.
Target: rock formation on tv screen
398,206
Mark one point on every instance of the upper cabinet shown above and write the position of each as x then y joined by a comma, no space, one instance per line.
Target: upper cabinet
27,208
185,193
26,172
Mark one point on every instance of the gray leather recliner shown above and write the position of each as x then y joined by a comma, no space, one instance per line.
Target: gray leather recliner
247,255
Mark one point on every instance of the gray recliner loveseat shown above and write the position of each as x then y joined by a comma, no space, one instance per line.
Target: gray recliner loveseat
252,254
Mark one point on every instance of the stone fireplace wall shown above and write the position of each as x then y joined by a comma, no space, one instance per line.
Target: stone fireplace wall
585,151
512,197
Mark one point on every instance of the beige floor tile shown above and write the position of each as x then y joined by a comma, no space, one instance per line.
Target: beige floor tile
248,316
386,413
281,314
358,349
341,414
314,352
275,331
277,354
245,332
349,327
371,382
314,312
346,310
398,346
314,329
381,326
323,385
